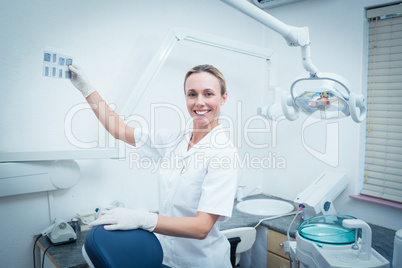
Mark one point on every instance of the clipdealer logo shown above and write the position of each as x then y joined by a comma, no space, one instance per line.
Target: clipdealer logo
239,133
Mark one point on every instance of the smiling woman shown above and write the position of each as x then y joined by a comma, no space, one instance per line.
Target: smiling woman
193,198
205,90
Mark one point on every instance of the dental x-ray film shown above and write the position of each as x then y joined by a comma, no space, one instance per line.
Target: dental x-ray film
55,63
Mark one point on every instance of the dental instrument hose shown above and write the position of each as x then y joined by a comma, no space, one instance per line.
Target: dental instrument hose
274,217
301,207
287,246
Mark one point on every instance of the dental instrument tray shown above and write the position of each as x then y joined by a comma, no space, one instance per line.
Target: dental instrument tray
328,229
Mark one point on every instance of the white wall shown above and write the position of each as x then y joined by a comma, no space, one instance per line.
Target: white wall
338,34
113,42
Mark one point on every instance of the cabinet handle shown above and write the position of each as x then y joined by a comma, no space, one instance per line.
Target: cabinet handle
281,245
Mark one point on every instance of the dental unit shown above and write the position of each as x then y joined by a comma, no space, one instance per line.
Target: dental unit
329,240
324,239
323,95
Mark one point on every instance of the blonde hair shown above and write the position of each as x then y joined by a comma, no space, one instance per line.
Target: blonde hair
209,69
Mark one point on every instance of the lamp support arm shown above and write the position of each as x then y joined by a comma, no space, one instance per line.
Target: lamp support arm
294,36
306,61
260,16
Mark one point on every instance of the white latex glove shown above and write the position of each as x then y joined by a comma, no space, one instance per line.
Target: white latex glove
126,219
80,80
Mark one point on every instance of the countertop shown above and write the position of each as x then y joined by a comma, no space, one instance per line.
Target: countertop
70,255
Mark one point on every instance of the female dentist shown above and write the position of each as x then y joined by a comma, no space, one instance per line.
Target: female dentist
197,192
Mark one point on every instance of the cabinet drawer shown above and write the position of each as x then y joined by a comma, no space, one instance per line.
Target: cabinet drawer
274,261
276,242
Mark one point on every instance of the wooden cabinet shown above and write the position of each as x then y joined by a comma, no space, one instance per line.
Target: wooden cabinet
276,255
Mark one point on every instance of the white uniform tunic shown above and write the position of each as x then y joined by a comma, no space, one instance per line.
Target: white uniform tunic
201,179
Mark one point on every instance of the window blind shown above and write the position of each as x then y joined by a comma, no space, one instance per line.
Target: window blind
383,156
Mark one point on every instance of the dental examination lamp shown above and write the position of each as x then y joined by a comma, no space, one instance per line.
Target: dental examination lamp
322,95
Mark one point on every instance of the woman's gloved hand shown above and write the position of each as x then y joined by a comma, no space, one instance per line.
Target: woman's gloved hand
126,219
80,80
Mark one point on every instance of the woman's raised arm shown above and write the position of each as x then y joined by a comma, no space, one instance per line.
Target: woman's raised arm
109,118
